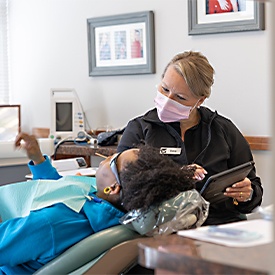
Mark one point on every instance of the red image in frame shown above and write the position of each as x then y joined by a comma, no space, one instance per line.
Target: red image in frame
221,6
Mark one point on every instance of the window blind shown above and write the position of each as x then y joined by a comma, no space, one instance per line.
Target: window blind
4,65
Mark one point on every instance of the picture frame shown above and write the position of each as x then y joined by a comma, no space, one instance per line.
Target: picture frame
121,44
207,17
10,123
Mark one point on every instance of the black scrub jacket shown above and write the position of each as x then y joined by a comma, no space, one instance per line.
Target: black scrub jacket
215,143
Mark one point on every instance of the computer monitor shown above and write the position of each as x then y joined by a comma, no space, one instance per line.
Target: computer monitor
67,114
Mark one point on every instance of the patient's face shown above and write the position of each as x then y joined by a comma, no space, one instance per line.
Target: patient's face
105,176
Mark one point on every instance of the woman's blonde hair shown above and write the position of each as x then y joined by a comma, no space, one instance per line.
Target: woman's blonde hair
196,71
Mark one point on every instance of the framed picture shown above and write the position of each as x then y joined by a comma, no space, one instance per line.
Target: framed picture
121,44
218,16
10,122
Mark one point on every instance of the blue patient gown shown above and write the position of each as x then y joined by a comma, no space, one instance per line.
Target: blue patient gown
28,243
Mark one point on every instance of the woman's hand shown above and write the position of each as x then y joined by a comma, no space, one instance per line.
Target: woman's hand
199,173
240,191
31,146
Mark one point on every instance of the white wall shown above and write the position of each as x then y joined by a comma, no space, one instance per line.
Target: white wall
272,69
263,160
48,49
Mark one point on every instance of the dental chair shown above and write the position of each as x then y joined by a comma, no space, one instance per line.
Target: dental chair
115,251
111,251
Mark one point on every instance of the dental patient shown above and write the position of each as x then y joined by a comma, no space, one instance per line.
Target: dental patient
134,179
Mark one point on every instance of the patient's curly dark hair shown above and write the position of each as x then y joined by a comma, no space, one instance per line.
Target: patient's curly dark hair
152,179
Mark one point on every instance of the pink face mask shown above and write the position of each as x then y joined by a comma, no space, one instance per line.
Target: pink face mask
170,110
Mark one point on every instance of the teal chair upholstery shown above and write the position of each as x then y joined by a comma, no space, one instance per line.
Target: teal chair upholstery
91,250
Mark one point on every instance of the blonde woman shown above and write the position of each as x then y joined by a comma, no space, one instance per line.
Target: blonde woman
193,134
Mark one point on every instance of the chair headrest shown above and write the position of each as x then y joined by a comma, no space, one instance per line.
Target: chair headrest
187,210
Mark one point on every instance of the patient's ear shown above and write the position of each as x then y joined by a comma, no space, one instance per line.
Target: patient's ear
115,189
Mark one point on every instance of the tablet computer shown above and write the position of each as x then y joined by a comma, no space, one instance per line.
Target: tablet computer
215,185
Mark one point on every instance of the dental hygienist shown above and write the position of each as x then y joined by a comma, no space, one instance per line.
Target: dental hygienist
193,134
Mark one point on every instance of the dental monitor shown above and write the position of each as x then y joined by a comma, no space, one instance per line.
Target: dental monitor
67,114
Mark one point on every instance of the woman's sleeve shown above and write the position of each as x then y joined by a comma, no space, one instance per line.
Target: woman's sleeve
241,153
44,170
19,238
131,136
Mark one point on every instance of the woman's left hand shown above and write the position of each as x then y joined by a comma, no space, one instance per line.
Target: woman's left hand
240,191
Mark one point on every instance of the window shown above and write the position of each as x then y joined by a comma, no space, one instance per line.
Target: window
4,66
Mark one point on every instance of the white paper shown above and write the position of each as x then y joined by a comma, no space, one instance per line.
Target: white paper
90,171
263,227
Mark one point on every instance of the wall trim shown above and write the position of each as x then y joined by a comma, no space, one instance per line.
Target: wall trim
258,143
